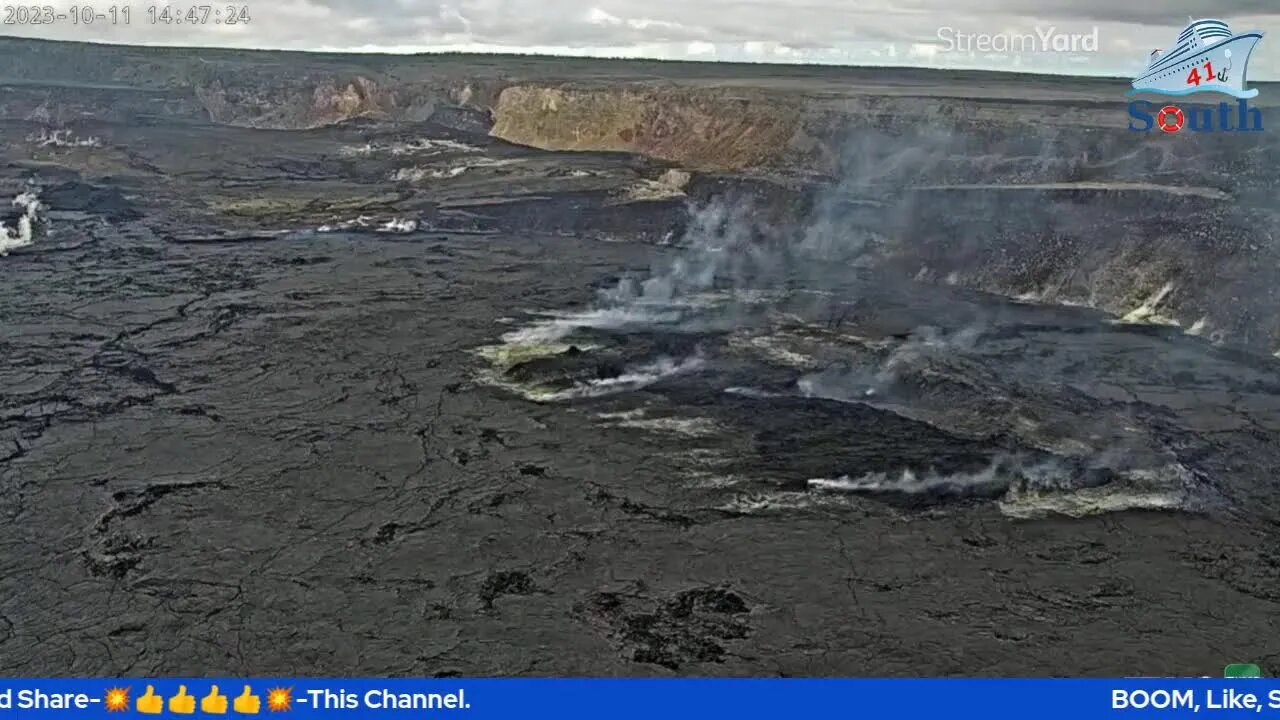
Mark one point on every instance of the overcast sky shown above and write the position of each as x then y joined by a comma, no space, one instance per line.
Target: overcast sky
1033,35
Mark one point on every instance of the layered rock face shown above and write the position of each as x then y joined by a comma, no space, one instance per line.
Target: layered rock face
710,129
721,117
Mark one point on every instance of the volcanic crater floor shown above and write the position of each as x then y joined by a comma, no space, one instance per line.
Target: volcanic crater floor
372,405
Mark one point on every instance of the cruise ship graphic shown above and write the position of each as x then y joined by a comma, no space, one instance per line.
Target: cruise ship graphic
1207,57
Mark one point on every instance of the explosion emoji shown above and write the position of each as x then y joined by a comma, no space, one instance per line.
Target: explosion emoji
279,699
117,699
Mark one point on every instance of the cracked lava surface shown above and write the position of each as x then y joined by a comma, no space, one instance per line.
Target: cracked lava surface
230,444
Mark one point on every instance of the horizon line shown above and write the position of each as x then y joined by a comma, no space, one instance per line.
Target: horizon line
388,53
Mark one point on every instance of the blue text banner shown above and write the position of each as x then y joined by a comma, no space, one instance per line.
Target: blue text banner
624,699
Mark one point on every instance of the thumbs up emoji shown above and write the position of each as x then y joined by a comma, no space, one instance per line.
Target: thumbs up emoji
247,703
150,703
213,703
182,703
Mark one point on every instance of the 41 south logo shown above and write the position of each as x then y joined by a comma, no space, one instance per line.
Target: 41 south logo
1207,57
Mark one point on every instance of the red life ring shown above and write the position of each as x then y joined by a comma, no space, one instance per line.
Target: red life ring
1170,118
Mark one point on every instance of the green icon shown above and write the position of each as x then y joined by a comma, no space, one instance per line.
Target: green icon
1242,670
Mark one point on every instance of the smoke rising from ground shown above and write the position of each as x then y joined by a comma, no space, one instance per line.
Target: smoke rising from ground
22,232
849,383
833,296
729,244
62,139
1026,488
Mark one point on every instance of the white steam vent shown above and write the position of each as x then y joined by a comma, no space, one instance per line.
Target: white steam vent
22,233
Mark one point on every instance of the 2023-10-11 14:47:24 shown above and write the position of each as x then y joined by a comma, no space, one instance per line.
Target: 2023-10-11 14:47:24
125,15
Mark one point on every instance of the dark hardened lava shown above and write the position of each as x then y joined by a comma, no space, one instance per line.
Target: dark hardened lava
231,445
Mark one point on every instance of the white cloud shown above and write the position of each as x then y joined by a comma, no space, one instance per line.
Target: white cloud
596,16
923,51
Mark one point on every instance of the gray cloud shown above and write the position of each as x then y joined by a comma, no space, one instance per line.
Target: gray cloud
872,32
